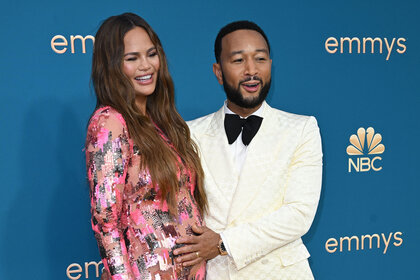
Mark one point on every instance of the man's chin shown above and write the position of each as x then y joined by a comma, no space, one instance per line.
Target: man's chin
249,103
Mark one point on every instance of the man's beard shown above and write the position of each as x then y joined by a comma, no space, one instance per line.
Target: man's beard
234,94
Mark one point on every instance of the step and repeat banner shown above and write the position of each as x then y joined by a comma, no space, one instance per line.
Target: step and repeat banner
355,65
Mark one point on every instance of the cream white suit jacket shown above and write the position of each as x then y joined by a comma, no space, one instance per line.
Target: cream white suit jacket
264,210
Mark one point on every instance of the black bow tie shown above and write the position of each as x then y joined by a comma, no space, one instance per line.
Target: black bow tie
235,124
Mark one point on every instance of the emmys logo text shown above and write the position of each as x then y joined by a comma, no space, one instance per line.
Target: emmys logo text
366,241
366,44
364,149
60,44
74,271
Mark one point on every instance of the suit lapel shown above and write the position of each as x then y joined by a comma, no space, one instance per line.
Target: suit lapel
218,158
258,163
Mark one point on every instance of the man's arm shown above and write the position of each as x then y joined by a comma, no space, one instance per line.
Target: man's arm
250,241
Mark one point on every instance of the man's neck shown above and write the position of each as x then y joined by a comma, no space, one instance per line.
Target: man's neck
241,111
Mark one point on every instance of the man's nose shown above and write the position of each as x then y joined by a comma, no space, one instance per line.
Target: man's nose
250,68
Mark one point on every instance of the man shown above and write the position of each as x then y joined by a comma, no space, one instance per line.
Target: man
263,185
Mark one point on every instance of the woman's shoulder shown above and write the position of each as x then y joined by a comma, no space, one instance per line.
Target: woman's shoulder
107,120
107,117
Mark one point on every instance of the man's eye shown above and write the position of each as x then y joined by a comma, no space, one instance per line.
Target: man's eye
238,60
261,59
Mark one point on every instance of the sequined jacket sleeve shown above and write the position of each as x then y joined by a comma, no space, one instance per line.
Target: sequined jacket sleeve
108,151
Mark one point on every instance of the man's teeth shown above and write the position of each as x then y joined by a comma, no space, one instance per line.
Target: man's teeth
143,78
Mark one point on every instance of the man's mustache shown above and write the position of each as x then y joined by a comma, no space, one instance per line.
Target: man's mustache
250,78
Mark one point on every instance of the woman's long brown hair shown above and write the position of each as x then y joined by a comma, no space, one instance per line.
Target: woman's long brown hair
114,89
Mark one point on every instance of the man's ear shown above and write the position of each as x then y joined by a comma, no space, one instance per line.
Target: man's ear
217,70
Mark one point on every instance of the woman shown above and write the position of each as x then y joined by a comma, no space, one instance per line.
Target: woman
146,181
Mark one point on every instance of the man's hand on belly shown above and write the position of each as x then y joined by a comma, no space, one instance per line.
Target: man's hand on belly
202,246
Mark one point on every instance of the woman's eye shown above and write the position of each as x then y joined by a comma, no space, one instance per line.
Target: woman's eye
131,58
153,54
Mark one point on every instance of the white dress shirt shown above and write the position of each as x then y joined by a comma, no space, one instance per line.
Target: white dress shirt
237,148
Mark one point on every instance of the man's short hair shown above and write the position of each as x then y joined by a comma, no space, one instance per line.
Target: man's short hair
231,27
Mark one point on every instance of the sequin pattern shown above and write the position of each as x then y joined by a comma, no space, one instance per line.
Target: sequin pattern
135,233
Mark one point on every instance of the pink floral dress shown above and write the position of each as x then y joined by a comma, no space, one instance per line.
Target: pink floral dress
135,233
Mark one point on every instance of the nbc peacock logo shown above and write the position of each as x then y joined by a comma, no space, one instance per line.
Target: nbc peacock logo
364,149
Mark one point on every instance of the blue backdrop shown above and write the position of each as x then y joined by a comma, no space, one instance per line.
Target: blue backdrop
47,100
